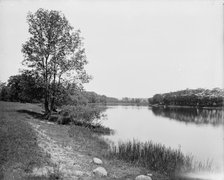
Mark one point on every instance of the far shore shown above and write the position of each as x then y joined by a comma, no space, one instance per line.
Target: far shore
190,107
159,106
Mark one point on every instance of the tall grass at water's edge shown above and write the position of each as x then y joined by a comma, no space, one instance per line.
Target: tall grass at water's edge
157,157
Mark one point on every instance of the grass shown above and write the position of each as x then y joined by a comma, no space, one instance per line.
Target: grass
96,128
157,157
82,134
18,147
88,142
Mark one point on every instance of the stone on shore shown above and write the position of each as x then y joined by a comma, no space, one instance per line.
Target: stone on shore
42,171
97,161
79,173
143,177
100,171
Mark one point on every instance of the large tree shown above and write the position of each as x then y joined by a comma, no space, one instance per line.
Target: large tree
55,51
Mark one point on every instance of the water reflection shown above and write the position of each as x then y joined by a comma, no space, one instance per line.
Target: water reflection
191,115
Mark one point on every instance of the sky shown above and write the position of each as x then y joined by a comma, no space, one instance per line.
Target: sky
135,48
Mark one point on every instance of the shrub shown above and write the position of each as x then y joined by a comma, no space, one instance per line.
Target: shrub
81,114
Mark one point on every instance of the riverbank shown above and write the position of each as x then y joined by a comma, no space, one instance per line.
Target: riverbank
36,149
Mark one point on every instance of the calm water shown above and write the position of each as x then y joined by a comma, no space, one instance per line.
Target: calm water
196,132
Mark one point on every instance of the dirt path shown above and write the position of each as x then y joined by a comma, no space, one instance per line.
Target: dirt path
66,163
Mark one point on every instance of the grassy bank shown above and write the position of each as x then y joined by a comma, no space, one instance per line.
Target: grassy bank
19,152
158,158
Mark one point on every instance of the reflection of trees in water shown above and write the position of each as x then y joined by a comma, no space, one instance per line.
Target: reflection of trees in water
191,115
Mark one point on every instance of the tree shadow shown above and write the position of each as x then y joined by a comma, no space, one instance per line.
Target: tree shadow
34,114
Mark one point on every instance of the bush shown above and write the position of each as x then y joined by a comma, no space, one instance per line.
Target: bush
82,114
88,116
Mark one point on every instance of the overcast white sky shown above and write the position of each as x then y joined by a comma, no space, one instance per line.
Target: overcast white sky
134,48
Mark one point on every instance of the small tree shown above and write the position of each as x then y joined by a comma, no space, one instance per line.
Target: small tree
4,92
55,51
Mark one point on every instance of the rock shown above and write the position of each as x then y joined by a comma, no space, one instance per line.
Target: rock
79,173
143,177
53,118
100,171
97,160
149,174
43,171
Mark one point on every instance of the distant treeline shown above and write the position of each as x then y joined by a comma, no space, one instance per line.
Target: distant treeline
29,87
190,97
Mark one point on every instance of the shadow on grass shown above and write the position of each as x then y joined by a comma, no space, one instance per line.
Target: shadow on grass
33,114
96,128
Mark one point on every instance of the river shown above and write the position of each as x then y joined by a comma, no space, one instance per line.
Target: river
195,131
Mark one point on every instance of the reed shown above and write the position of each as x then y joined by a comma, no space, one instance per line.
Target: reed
157,157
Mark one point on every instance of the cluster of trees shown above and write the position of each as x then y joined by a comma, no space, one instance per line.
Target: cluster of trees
96,98
29,87
137,101
190,97
25,87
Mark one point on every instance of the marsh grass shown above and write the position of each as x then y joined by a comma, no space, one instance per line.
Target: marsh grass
157,157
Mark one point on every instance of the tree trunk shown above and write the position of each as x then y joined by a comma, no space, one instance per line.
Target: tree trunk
46,103
46,97
54,92
53,99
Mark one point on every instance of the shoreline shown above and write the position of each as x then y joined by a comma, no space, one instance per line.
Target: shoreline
80,142
159,106
187,107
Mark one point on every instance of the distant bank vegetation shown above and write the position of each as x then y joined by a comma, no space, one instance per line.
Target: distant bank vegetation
190,97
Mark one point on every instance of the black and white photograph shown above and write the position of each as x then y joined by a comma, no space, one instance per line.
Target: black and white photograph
111,90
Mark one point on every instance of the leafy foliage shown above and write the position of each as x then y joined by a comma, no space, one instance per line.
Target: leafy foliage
4,92
83,113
